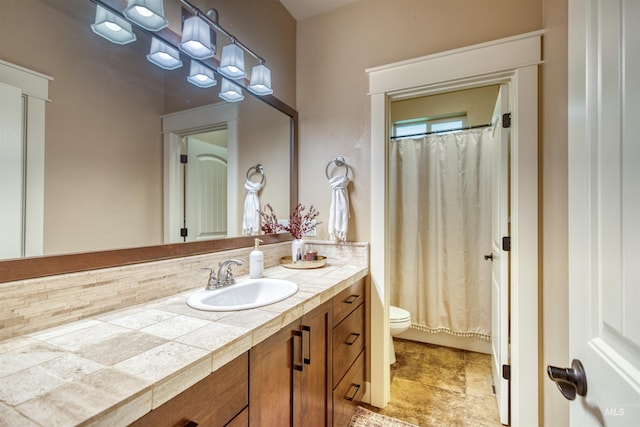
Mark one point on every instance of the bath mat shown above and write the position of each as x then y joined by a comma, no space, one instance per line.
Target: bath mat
365,418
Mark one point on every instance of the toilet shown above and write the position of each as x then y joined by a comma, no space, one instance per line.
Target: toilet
399,321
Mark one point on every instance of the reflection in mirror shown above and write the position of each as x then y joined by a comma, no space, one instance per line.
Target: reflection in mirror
114,129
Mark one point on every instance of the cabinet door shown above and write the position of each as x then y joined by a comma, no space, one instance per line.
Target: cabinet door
271,378
213,402
315,390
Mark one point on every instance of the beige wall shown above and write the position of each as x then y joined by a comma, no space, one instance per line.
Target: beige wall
477,103
334,50
554,209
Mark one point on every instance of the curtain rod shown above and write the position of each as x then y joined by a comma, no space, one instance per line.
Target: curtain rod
441,131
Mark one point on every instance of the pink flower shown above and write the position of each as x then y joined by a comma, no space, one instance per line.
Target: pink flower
299,223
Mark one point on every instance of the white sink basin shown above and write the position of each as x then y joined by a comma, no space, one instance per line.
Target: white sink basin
245,294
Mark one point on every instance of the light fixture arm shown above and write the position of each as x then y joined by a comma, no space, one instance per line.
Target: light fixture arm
205,17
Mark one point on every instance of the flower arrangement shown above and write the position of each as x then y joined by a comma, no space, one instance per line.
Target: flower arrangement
300,223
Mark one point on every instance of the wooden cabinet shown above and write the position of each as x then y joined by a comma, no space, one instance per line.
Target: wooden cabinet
310,373
218,400
348,352
290,374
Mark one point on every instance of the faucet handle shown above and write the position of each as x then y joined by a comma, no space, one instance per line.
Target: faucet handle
212,283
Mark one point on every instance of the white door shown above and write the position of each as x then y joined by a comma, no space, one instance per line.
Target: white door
604,211
12,160
500,257
206,194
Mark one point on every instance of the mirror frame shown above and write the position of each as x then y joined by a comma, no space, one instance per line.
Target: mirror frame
34,267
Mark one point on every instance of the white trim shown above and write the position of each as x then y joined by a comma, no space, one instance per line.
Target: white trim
514,61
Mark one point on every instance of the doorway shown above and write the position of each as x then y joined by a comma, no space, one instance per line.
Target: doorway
449,208
511,61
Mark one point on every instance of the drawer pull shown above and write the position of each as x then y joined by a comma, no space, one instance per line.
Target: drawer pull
191,424
352,299
352,338
305,328
297,366
355,388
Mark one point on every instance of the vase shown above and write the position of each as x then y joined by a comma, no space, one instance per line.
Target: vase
297,250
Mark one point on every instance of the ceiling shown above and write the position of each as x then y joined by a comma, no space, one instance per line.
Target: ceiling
301,9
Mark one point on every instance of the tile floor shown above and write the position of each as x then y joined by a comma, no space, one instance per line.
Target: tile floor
441,386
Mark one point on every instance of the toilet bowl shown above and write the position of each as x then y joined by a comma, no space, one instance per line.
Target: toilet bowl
399,321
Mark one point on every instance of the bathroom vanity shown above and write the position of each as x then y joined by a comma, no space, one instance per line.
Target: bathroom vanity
300,361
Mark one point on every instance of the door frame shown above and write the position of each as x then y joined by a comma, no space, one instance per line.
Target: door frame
174,127
513,60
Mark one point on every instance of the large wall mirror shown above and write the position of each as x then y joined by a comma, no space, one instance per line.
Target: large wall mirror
116,127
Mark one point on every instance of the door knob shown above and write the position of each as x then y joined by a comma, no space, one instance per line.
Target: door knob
569,380
488,257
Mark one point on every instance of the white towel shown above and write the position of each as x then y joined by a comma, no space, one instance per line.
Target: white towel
339,212
251,214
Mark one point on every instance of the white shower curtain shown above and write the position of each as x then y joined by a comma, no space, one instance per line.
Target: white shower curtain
440,193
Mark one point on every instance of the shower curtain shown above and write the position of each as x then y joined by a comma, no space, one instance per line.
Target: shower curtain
440,229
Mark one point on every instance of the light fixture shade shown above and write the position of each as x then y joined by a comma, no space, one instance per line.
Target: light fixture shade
196,38
230,91
149,14
260,80
163,55
232,62
200,75
112,27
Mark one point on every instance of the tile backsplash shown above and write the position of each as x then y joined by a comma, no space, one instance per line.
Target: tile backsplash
31,305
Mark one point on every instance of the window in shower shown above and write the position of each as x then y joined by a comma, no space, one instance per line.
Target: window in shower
428,125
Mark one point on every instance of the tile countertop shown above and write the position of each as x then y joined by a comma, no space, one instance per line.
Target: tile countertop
114,368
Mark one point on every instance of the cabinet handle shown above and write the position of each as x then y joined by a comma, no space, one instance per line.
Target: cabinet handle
191,424
305,328
352,299
297,366
352,338
355,388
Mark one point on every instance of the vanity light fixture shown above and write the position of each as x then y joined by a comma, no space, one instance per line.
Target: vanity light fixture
163,55
201,76
230,91
260,80
112,27
232,62
196,38
149,14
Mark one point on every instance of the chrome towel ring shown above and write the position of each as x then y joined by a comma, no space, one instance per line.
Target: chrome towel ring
256,169
339,162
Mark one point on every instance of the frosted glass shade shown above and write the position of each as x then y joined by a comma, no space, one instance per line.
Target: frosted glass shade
196,38
232,62
112,27
260,80
163,55
230,92
149,14
201,76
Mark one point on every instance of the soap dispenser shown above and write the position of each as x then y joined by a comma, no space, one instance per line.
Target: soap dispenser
256,261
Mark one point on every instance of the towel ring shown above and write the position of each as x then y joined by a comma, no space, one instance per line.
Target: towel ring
339,162
256,169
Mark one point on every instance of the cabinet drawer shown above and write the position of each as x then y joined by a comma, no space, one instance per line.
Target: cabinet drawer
347,300
348,342
213,401
349,392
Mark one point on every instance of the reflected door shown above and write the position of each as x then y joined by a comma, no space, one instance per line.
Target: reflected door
206,191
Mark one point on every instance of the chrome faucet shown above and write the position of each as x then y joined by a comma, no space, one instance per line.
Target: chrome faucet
225,275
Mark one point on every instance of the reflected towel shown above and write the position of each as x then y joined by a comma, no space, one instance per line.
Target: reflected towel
251,213
339,211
